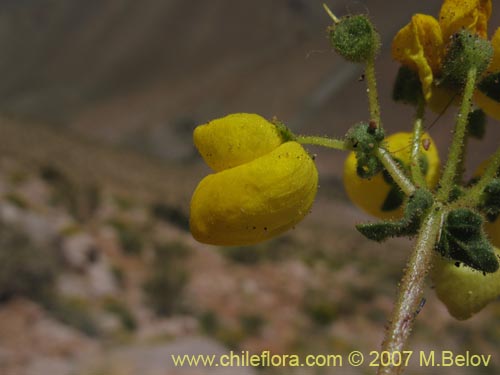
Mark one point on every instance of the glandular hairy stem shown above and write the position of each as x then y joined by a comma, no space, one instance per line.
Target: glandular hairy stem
411,289
455,155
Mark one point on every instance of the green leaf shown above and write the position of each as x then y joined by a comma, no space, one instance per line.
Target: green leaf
477,124
418,205
407,87
394,199
464,240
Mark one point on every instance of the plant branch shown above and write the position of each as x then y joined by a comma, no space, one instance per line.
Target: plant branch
395,171
411,289
455,156
415,167
337,144
383,155
371,83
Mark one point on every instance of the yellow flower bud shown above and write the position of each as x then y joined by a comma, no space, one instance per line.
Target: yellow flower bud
257,199
370,194
464,290
235,139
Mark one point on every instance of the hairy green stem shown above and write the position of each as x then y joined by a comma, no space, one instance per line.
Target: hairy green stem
411,289
371,83
337,144
383,155
451,170
395,171
415,167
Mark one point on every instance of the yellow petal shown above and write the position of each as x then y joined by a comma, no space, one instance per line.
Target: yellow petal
419,45
464,290
235,139
370,194
489,106
495,61
255,201
472,15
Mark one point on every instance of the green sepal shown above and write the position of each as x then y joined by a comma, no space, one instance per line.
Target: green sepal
418,204
367,165
490,200
382,230
476,127
407,87
490,86
364,140
466,51
394,200
285,133
355,38
463,239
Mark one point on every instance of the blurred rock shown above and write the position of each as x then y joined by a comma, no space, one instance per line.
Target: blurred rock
31,340
80,251
37,227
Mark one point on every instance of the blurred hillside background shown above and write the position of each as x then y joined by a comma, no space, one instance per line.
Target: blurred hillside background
98,273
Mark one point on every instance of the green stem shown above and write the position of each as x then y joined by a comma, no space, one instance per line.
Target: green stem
371,83
395,171
383,155
411,289
337,144
457,146
415,167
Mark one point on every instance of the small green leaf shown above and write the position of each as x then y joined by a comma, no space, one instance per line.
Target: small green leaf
417,206
394,199
407,87
464,240
477,124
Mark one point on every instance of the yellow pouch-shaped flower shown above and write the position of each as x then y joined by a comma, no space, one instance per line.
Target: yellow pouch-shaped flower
235,139
464,290
255,201
370,194
419,45
472,15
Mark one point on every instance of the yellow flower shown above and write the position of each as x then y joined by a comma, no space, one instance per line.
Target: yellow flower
372,194
263,186
421,46
464,290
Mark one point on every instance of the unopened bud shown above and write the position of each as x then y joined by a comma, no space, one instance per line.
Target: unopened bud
355,38
466,51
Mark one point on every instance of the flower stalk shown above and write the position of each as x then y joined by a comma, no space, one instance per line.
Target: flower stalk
415,167
455,156
411,289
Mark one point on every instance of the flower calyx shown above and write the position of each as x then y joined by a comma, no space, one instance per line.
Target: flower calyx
355,38
364,138
466,51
